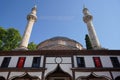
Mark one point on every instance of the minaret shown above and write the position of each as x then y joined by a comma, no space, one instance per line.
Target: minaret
92,34
31,20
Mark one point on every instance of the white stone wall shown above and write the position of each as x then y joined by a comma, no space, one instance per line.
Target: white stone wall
75,61
66,68
104,74
1,59
4,74
13,61
65,65
115,74
118,58
50,68
37,74
89,61
105,60
79,74
14,74
52,63
28,61
97,74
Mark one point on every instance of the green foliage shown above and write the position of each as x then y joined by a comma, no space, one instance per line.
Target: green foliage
88,43
32,46
9,39
3,33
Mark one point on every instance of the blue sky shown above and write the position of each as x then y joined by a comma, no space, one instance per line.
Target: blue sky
64,18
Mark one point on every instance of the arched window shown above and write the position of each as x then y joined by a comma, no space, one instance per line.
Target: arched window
117,78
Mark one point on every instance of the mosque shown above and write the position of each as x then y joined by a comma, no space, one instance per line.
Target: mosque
60,58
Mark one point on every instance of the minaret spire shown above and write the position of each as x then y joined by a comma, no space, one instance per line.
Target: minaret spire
31,20
92,34
83,6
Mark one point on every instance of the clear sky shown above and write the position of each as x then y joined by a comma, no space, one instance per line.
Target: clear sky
64,18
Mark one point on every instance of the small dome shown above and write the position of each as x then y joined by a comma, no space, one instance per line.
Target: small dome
59,43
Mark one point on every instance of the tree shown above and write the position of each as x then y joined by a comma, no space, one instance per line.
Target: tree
32,46
88,43
3,33
9,39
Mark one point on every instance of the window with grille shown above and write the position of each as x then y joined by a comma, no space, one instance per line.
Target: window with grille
36,62
21,62
115,61
97,62
80,62
5,62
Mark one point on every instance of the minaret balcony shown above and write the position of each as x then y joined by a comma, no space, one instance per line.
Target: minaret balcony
32,17
87,18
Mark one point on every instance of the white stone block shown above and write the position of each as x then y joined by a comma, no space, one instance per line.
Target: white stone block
75,61
13,74
80,74
106,62
118,58
66,68
50,59
1,60
103,74
13,61
89,61
28,61
66,60
41,62
37,74
4,74
115,74
50,68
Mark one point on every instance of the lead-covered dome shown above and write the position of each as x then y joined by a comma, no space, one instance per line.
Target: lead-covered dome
59,43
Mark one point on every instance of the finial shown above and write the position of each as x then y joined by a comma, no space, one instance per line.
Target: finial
35,6
84,6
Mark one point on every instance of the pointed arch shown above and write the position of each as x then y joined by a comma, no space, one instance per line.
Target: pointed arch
58,73
93,76
49,70
2,78
25,76
117,78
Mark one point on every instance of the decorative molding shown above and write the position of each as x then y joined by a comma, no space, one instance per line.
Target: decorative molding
94,69
22,69
93,76
25,76
58,60
61,52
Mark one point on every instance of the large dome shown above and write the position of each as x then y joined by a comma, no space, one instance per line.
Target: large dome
59,43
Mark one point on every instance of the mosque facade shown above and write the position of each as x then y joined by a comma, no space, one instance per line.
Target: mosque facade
60,58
